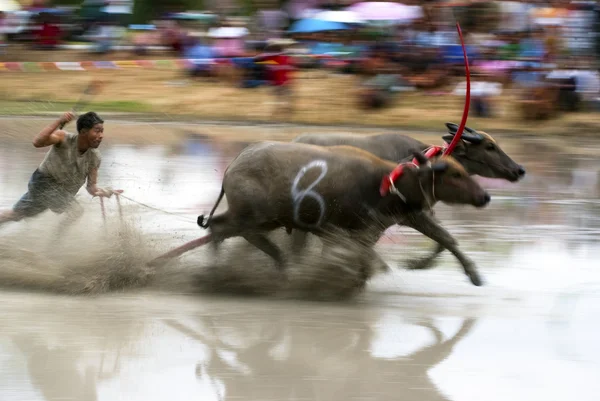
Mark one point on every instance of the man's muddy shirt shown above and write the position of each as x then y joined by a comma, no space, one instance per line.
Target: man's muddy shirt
67,166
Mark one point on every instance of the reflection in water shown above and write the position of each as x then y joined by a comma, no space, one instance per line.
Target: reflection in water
258,352
338,361
55,376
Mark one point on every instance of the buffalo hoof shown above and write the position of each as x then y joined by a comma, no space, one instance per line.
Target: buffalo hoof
474,277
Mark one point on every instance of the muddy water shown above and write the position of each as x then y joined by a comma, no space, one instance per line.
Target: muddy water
529,334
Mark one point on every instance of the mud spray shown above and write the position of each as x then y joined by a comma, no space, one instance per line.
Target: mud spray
94,258
89,258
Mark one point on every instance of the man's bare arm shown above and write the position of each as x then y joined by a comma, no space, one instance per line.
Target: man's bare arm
91,187
51,135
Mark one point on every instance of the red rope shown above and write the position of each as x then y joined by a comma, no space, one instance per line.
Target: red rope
188,246
463,122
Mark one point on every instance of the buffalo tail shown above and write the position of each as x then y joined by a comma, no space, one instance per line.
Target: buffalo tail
201,219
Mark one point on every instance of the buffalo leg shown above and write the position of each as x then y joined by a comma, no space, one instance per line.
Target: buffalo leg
426,225
367,241
225,225
427,261
365,244
267,246
299,238
222,227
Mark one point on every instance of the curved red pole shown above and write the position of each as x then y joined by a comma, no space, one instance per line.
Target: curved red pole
463,122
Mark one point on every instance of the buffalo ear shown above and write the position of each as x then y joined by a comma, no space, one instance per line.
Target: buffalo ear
440,167
421,159
448,138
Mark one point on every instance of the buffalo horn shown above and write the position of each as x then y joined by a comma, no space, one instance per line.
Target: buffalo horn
473,138
469,135
452,128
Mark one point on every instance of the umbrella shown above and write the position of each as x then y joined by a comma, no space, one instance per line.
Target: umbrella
346,17
386,11
316,25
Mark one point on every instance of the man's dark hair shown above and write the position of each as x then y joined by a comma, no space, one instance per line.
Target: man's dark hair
88,120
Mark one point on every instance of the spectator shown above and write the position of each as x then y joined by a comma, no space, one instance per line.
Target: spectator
203,56
280,74
532,46
49,34
172,36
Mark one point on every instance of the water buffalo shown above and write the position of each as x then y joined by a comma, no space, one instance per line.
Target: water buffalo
477,151
312,188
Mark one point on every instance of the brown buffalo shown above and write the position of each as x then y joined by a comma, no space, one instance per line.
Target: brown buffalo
313,188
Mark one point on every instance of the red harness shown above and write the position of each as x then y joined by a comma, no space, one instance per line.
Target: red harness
389,180
431,152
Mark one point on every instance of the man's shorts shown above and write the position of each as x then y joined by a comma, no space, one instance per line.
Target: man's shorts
43,193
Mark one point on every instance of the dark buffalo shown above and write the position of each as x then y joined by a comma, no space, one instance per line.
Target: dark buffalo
312,189
478,152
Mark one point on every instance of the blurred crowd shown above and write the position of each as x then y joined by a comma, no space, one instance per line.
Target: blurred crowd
545,51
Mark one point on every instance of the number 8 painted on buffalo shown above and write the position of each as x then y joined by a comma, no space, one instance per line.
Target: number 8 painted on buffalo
299,195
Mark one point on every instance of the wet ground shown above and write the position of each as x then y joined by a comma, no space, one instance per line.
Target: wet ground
83,319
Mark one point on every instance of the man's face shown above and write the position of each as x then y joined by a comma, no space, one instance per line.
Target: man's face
95,135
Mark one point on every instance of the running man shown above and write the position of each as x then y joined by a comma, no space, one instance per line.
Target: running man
71,161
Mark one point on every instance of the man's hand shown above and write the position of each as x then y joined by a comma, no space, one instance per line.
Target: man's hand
53,134
107,192
66,118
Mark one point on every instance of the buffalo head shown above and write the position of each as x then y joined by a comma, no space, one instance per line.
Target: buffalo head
444,179
480,154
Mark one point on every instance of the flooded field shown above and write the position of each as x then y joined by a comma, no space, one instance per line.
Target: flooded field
85,319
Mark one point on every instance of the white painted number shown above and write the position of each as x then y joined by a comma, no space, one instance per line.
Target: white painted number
299,195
